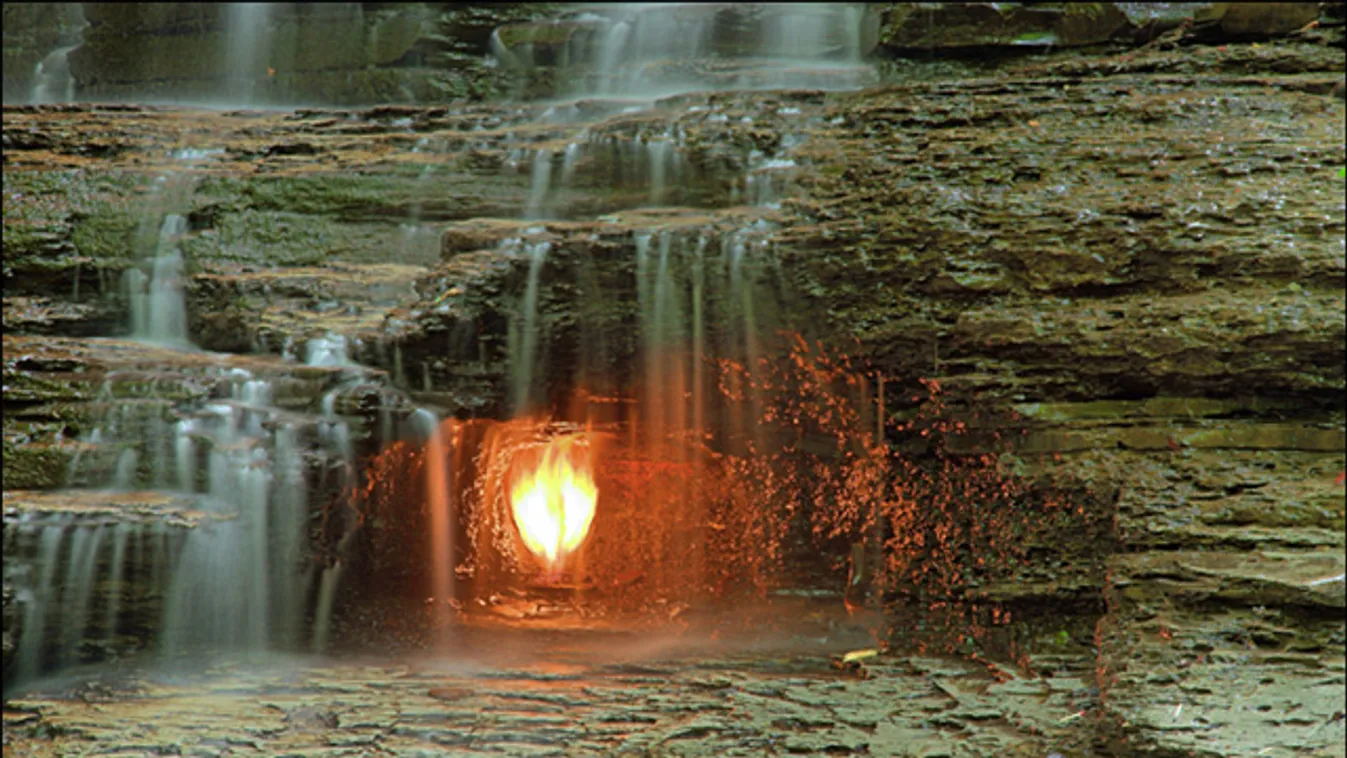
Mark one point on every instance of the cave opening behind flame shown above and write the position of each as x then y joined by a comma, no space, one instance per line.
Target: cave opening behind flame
553,498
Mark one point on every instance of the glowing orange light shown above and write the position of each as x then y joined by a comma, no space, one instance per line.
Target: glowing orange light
553,503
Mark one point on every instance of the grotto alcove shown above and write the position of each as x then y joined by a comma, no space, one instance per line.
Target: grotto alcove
674,379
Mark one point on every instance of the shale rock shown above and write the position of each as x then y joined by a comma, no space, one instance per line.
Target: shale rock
983,25
1131,266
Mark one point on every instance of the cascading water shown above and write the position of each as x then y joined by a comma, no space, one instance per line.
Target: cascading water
440,505
223,475
663,156
651,164
526,342
52,80
540,185
246,53
679,301
237,584
419,237
329,350
38,601
650,50
158,308
238,573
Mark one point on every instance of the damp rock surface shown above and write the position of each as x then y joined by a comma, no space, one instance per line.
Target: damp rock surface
1135,257
531,693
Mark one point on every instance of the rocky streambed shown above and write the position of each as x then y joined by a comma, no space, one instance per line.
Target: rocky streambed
1125,272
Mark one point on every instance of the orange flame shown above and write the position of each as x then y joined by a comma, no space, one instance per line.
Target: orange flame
553,504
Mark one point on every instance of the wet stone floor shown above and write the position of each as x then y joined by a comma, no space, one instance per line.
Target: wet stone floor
518,691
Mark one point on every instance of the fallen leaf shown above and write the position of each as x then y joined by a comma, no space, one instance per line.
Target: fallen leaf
859,655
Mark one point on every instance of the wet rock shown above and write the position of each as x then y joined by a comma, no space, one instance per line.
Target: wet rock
1138,254
81,508
131,45
1163,16
541,43
40,315
966,26
1170,667
239,310
607,709
972,25
736,46
1264,20
1253,579
407,52
478,234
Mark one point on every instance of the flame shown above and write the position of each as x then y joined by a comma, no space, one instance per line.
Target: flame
553,504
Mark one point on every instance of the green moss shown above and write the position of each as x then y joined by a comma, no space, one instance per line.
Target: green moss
31,467
106,234
324,195
56,219
469,81
215,190
274,238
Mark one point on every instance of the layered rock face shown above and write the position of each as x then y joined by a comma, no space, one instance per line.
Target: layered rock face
365,53
262,53
1134,263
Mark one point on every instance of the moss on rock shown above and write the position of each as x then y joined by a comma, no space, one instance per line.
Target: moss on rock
33,467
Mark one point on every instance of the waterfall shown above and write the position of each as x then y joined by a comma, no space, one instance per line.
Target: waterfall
525,357
653,163
238,582
158,306
642,49
246,48
327,591
52,80
540,185
331,349
32,640
234,579
661,154
120,535
439,503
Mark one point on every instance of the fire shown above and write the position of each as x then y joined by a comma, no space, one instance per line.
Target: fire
553,504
